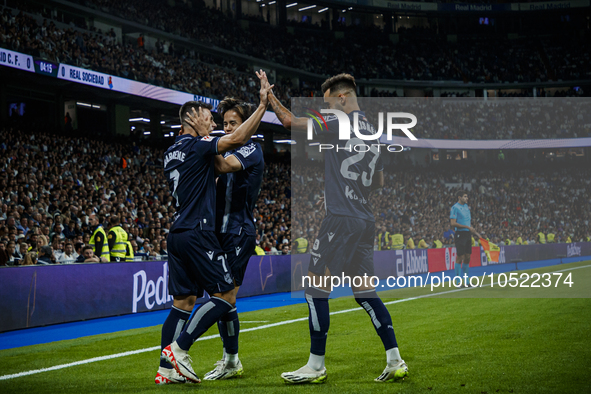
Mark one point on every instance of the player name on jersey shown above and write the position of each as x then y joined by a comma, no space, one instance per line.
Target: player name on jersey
175,155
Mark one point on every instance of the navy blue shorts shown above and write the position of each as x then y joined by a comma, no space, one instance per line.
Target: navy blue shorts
344,245
196,262
238,249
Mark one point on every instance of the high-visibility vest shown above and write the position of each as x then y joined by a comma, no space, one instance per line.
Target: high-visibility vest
551,237
105,252
519,241
438,243
541,238
302,245
384,241
569,240
422,244
410,244
397,241
129,256
507,241
259,251
120,243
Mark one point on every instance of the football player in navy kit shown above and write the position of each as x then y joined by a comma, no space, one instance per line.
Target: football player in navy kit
238,186
196,260
346,237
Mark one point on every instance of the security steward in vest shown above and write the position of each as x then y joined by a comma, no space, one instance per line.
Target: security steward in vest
98,241
541,238
550,237
301,244
397,240
384,239
117,240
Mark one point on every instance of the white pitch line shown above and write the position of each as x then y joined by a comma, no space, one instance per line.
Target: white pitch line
281,323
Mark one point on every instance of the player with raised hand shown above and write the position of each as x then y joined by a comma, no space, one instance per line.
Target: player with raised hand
238,186
196,260
346,237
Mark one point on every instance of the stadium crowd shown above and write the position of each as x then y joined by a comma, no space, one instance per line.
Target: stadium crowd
508,206
51,185
420,54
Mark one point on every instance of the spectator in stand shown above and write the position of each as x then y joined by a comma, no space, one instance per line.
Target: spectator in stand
69,256
87,256
46,256
164,248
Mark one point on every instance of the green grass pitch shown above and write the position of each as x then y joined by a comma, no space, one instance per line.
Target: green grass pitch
472,341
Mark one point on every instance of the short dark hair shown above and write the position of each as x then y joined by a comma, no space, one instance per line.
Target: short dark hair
84,249
339,83
460,193
186,107
77,246
114,220
242,108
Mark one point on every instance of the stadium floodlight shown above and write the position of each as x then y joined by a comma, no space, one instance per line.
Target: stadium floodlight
259,136
291,142
96,106
343,11
175,126
291,5
84,104
162,122
307,8
273,2
262,5
140,120
350,8
322,10
147,133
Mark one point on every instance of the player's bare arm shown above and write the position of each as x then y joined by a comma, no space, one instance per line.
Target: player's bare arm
247,129
286,118
378,180
227,165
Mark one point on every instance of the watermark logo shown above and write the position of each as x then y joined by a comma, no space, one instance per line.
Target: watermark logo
345,127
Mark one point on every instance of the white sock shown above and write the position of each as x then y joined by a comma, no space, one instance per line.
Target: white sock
316,362
224,354
231,360
393,356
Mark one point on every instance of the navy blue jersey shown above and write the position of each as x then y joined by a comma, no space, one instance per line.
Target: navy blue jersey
237,192
349,170
189,168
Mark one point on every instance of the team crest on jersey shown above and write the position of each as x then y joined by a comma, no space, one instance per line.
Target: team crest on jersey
316,244
210,255
247,150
